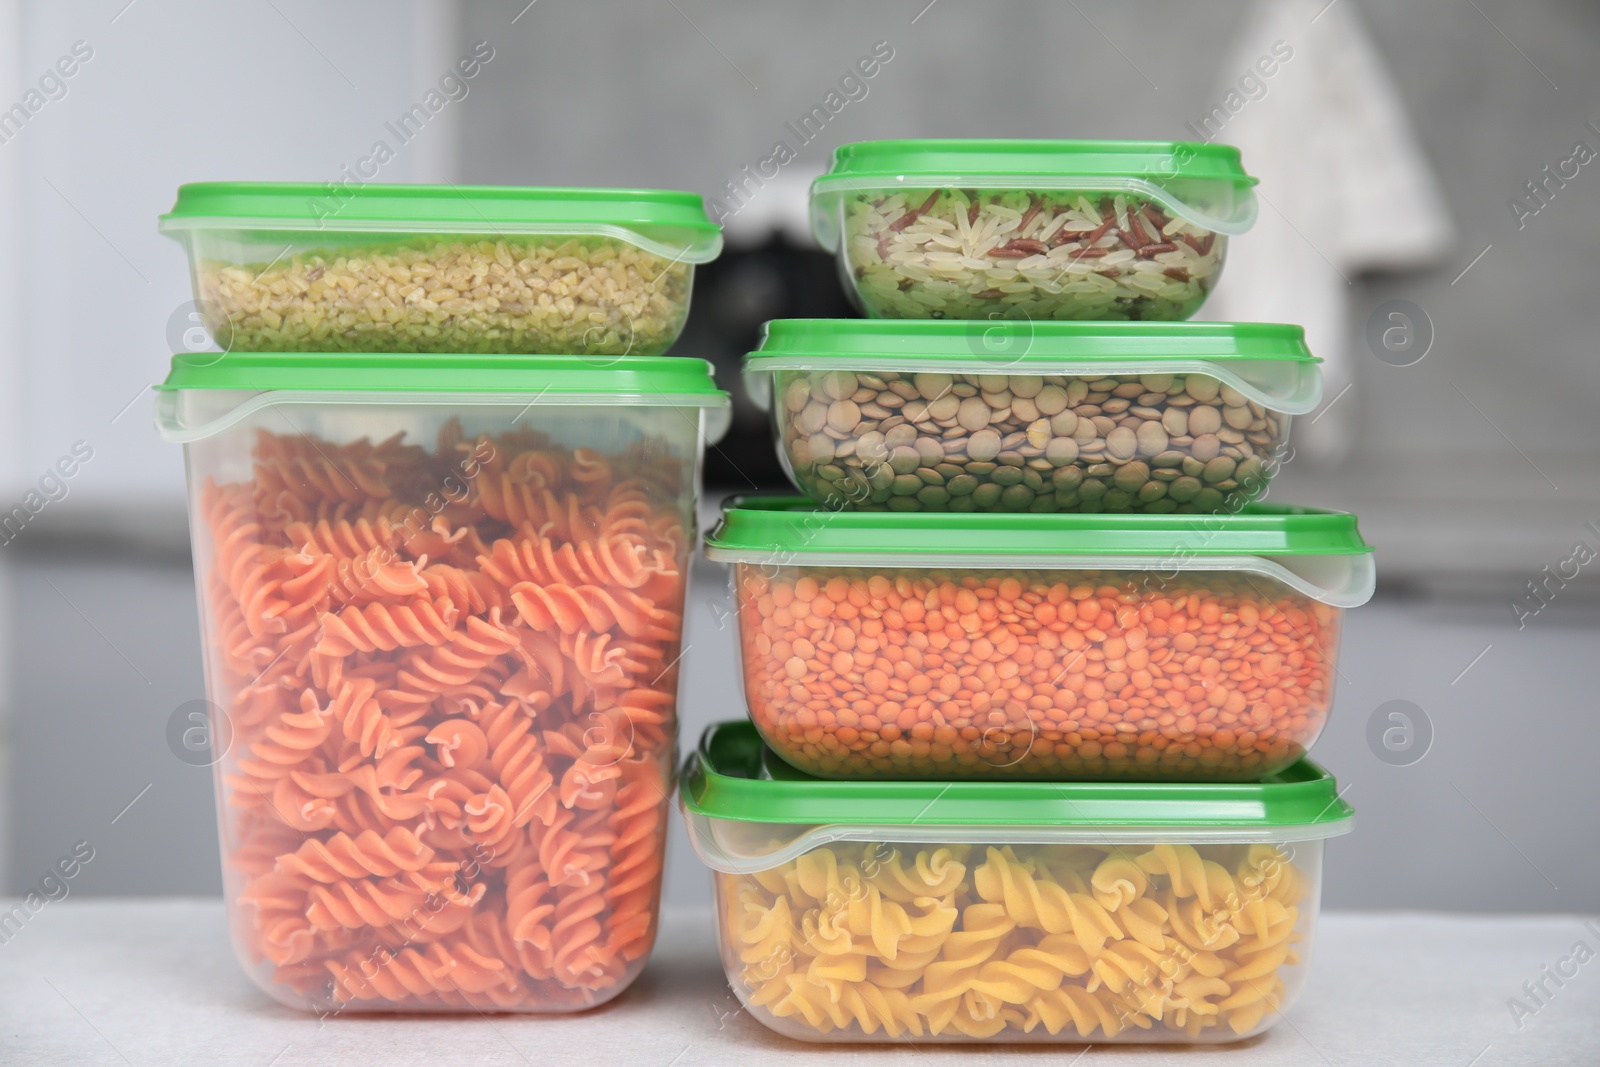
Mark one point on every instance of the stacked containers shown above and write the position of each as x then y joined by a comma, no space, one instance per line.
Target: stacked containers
288,267
441,591
1051,666
1031,229
1007,416
1041,912
1039,646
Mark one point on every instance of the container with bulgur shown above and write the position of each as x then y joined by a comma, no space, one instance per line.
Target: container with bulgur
1031,229
1039,646
1159,417
412,268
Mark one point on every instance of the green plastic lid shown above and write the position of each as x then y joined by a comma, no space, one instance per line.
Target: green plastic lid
914,160
1029,344
1267,362
753,528
1317,553
1204,183
675,223
413,372
734,777
268,378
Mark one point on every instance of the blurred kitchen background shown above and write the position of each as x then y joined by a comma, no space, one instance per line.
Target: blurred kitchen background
1396,145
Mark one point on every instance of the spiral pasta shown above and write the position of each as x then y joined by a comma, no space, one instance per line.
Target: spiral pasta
1080,942
450,678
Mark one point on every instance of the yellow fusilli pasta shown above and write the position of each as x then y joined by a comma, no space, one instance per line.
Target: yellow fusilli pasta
1080,942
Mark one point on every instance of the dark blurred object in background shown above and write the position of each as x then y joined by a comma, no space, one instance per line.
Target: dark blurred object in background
735,294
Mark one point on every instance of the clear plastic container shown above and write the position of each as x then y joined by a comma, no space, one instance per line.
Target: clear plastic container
1009,912
1031,229
441,603
1164,417
285,267
945,646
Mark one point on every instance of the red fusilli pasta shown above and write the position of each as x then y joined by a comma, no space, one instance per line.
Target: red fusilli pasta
450,679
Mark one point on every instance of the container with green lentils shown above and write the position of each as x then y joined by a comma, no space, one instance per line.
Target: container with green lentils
1005,415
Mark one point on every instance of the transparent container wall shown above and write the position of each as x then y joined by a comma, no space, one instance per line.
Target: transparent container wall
344,291
1181,443
1023,254
442,648
980,940
1160,675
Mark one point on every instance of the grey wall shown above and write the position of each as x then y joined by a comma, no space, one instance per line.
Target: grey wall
108,649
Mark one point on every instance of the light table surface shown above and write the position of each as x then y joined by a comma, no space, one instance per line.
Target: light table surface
153,982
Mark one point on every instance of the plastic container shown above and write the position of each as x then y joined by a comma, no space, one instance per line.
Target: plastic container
1031,229
287,267
441,603
1158,417
943,646
1009,911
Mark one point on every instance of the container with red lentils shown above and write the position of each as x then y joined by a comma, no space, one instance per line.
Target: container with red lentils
1046,646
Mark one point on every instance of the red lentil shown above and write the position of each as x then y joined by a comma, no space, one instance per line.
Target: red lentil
1039,674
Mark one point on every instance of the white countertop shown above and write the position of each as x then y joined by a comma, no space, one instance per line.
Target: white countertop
153,982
